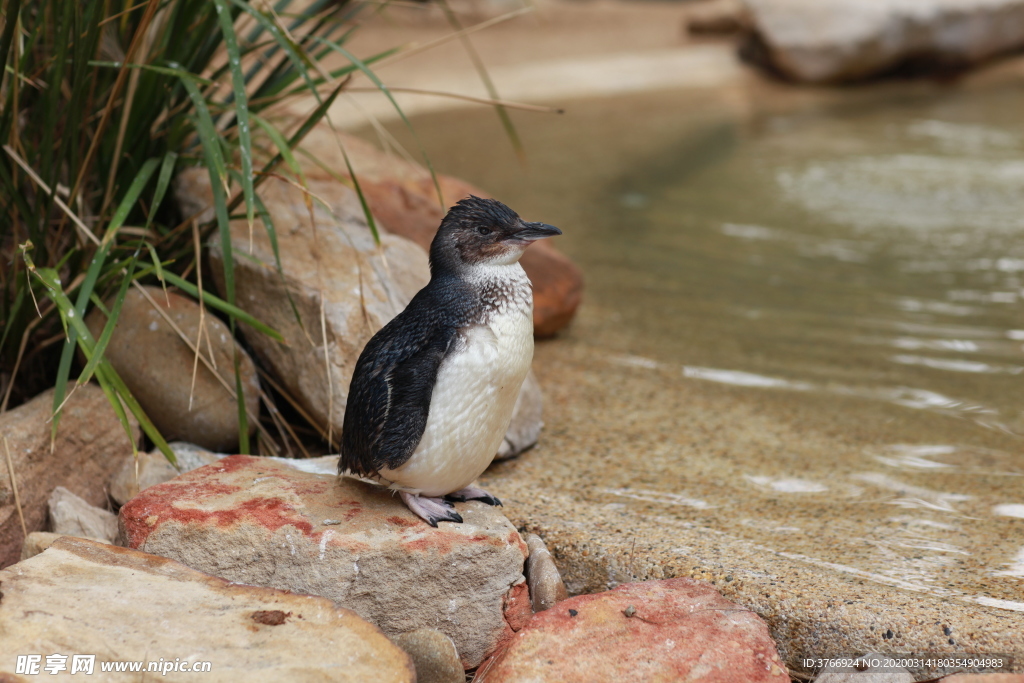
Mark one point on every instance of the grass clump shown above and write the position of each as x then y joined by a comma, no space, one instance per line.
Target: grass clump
100,104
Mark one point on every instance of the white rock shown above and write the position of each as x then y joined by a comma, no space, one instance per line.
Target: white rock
833,40
72,516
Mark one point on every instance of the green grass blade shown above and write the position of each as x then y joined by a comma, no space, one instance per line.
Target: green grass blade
238,84
359,64
268,223
362,198
130,198
74,313
282,147
104,371
492,91
175,71
297,137
218,178
163,181
108,328
294,52
224,307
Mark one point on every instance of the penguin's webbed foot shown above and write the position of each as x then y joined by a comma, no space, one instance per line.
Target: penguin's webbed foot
473,493
431,510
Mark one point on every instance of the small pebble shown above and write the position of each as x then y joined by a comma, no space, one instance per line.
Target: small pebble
434,656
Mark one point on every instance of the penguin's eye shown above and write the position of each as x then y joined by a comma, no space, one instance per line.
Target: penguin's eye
483,231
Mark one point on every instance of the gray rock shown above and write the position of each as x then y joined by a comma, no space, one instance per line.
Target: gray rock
832,40
156,364
89,446
81,597
153,468
266,523
72,516
434,656
546,585
870,674
524,430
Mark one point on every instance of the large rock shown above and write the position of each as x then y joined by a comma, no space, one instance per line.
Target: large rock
90,444
833,40
403,196
362,287
266,523
156,364
80,597
656,631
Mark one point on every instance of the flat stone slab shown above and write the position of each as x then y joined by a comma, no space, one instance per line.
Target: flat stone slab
263,522
673,630
81,597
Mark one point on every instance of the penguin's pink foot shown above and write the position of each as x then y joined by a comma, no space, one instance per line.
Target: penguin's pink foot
431,510
473,493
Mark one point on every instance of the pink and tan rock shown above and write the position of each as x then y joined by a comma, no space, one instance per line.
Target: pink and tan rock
153,468
83,597
157,367
655,631
403,196
265,523
90,445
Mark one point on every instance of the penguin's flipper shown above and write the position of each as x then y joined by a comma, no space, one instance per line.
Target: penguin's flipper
389,397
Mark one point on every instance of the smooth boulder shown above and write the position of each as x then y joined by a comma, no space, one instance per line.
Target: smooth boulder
821,41
84,598
266,523
156,365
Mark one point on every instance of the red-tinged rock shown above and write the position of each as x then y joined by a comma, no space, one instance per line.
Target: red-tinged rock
403,196
673,630
265,523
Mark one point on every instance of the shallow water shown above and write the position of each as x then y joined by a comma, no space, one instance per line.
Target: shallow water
849,266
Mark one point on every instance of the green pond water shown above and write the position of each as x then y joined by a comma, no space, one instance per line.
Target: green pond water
849,265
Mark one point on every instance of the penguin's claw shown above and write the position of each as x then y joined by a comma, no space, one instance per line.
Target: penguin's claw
473,493
431,510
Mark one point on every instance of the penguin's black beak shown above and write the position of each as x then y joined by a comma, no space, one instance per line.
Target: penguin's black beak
529,232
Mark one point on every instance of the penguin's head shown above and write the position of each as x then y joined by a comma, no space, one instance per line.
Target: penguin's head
484,232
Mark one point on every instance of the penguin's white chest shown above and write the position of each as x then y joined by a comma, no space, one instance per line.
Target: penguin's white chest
474,394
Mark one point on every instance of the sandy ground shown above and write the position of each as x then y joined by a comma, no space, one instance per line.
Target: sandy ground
548,52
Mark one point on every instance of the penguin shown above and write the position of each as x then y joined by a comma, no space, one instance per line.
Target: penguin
432,393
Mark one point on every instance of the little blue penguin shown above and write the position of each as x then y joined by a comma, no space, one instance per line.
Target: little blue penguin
433,391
